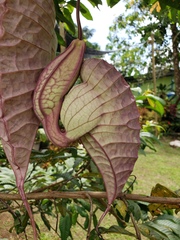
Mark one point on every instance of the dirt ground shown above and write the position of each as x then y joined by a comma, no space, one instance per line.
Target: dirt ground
6,223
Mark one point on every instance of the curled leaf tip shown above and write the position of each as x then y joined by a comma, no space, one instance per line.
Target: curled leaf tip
54,82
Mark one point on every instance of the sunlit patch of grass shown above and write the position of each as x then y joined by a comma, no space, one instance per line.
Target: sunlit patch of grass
158,167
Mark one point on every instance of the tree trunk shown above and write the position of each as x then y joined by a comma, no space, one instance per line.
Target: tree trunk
175,33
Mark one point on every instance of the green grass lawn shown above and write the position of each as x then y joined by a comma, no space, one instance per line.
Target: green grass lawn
161,167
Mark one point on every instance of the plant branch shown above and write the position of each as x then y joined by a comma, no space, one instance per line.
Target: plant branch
92,194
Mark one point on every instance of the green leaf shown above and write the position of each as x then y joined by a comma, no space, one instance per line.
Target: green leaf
156,231
112,3
149,135
69,21
73,151
85,204
60,17
158,108
95,3
170,222
135,209
152,97
83,9
82,211
94,235
65,226
86,222
46,221
148,139
74,217
155,103
115,229
20,222
62,207
156,98
60,39
172,3
95,221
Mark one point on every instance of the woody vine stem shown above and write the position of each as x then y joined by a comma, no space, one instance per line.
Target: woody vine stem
92,194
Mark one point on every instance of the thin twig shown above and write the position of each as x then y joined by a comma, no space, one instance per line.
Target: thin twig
131,185
90,216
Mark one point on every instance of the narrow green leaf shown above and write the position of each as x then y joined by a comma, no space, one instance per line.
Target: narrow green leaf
86,222
46,221
65,226
20,222
60,17
149,135
69,21
85,204
74,218
60,39
95,3
95,221
115,229
62,207
83,9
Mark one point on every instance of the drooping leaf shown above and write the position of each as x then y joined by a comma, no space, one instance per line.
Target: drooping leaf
121,208
135,209
65,226
53,83
162,191
116,229
169,221
46,221
160,229
28,44
20,221
107,118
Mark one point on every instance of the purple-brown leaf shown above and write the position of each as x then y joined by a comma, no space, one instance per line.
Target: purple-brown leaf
27,45
103,111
